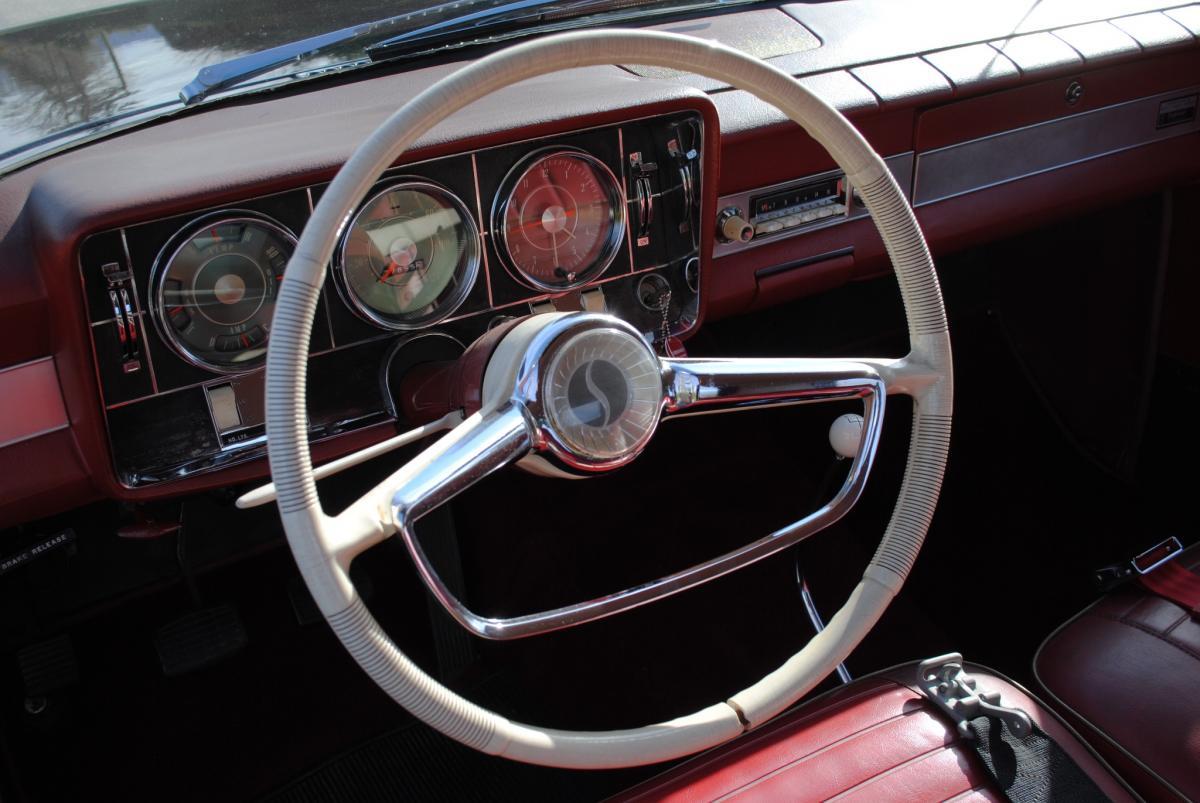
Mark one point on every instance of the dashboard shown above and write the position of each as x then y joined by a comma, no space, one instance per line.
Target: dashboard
137,273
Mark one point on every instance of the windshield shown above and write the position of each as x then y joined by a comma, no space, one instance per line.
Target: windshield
67,66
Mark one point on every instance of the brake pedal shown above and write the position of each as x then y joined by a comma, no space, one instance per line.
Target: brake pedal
199,639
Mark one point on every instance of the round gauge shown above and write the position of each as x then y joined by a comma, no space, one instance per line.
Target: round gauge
214,294
561,219
410,256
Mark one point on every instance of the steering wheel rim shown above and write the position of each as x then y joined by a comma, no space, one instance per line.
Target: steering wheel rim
323,546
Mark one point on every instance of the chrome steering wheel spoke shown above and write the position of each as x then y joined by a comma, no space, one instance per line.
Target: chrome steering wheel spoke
700,386
483,443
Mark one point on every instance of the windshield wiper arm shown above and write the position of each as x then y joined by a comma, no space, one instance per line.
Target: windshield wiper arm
227,74
497,16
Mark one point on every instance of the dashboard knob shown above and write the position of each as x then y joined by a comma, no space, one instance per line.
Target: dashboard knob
732,227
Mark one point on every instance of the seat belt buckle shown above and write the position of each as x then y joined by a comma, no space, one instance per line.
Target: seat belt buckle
1110,577
946,683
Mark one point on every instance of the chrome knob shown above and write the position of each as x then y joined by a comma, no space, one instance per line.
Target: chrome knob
732,227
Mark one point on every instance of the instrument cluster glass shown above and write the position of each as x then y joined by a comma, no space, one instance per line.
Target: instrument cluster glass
560,215
410,256
215,286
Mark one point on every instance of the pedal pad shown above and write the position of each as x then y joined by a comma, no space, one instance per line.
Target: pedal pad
199,639
48,666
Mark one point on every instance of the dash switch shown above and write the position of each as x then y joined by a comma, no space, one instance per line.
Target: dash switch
223,403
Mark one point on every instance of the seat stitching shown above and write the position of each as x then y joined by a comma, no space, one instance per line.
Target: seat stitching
822,750
1152,632
1177,623
928,754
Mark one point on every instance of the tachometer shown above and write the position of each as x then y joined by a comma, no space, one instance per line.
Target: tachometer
410,256
561,219
214,290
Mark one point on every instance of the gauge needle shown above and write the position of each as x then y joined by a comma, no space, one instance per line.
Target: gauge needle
536,222
387,273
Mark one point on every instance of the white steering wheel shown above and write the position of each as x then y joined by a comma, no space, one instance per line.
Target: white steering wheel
529,415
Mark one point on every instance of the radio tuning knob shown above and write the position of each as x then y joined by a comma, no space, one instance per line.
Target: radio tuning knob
732,227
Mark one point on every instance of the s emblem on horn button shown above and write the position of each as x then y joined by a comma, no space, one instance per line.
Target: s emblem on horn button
603,394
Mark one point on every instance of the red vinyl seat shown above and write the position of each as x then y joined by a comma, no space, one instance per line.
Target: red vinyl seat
1126,672
876,739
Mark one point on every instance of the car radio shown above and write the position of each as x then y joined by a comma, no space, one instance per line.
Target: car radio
766,213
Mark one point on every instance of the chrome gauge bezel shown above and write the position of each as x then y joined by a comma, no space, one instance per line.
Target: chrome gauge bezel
451,303
616,235
167,255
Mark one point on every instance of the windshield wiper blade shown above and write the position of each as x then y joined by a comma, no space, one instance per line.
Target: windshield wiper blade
503,15
228,74
529,17
525,16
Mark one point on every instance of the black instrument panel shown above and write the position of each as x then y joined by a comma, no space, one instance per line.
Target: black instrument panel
178,310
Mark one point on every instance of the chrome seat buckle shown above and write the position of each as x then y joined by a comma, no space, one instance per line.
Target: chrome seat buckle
944,681
1110,577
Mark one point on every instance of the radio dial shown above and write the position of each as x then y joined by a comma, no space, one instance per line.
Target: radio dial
732,227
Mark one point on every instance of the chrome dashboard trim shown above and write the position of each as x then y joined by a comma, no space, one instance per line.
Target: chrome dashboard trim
1018,153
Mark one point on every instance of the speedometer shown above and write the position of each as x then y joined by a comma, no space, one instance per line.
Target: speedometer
561,219
410,256
214,290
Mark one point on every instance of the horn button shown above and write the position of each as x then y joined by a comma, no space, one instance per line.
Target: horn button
602,393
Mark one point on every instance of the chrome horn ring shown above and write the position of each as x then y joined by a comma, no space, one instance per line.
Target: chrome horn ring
528,391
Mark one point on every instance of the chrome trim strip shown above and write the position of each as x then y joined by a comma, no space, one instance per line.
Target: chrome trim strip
40,377
1018,153
324,296
625,196
30,436
19,365
483,251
